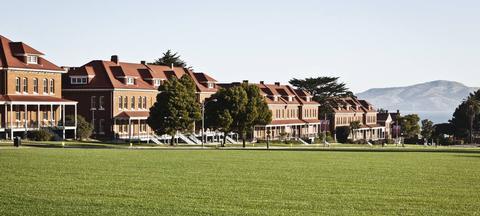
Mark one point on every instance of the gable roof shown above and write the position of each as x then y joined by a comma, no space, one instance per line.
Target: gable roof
110,75
12,54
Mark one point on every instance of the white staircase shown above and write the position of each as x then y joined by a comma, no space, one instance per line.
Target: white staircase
303,141
230,140
184,138
194,139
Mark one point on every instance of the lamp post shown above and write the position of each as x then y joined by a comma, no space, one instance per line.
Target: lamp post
203,120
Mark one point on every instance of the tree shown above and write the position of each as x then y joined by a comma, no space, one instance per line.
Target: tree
473,108
176,108
324,90
409,125
242,106
354,126
427,129
170,58
342,133
466,117
84,128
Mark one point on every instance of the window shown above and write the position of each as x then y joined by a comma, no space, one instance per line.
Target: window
17,84
157,82
144,102
130,81
120,102
125,102
52,86
101,103
45,86
210,85
101,127
17,115
132,103
25,85
32,60
93,102
35,85
78,80
45,115
140,100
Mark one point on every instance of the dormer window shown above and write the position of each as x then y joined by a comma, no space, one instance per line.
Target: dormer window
31,59
308,99
210,85
157,82
290,98
130,81
78,80
275,98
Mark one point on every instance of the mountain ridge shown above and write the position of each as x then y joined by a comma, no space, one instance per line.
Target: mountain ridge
433,96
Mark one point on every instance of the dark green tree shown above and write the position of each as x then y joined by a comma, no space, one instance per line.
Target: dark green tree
466,117
324,90
427,129
342,133
176,109
84,128
170,58
409,125
243,105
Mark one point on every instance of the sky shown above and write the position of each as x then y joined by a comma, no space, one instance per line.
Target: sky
368,44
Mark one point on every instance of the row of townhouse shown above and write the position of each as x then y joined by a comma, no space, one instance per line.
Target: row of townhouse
116,97
373,125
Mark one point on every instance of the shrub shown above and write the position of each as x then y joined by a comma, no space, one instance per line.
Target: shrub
40,135
84,128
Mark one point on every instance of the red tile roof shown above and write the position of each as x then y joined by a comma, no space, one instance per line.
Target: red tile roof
12,54
32,98
110,75
133,114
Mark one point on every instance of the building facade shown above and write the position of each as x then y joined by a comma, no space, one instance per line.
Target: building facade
294,113
116,96
348,110
30,93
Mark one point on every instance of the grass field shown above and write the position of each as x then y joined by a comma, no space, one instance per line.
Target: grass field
39,181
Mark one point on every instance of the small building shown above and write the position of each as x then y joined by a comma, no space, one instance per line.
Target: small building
389,121
30,93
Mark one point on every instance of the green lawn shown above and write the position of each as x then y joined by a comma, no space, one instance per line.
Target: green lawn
55,181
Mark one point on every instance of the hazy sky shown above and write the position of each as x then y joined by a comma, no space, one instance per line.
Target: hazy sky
366,43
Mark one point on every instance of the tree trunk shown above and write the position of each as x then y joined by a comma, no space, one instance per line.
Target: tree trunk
471,130
224,139
172,140
243,139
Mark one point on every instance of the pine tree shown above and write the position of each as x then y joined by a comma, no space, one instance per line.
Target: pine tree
169,58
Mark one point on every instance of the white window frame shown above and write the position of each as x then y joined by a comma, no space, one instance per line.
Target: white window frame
25,85
35,85
101,102
45,86
93,103
52,86
130,81
17,84
31,59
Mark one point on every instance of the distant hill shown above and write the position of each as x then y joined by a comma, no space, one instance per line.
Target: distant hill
431,97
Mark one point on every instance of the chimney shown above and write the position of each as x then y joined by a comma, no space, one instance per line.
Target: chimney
277,83
143,62
114,59
261,82
171,66
245,81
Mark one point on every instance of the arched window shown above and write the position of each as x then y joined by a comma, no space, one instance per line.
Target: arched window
45,86
25,85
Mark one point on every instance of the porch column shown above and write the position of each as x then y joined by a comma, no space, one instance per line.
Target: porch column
129,129
38,116
63,120
75,130
6,119
25,117
113,128
139,128
51,114
11,121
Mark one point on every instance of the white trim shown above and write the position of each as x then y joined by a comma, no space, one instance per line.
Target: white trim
36,70
116,89
40,103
